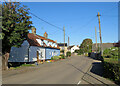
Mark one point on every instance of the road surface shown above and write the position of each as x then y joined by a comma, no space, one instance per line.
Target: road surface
76,70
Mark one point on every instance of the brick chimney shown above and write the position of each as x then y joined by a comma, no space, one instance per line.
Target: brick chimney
45,35
34,30
56,41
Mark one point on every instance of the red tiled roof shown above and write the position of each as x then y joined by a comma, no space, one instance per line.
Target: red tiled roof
45,39
31,38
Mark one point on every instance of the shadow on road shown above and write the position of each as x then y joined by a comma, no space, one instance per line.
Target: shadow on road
90,76
97,68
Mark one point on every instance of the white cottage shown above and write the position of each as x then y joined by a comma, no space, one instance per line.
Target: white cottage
73,48
34,48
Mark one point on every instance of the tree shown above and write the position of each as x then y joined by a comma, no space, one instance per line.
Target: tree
15,25
86,46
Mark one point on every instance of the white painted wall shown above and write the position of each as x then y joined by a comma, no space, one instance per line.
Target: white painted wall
55,45
40,41
48,44
19,54
33,53
74,48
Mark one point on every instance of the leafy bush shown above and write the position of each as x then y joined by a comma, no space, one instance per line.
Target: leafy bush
62,56
51,58
111,53
111,66
112,71
80,52
62,51
56,57
68,54
76,51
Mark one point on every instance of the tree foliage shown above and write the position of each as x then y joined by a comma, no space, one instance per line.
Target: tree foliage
86,46
111,52
15,25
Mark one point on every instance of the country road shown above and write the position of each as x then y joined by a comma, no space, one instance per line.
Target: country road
76,70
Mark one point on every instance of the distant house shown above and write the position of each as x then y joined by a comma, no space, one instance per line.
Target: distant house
69,48
73,48
34,48
105,45
61,46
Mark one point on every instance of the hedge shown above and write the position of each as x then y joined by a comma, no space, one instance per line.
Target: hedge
112,71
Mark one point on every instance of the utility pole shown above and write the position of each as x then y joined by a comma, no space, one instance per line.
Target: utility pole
68,41
101,48
64,40
96,38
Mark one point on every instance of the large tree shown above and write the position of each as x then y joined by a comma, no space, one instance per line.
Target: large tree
15,25
86,46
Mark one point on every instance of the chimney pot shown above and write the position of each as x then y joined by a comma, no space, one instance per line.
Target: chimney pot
34,30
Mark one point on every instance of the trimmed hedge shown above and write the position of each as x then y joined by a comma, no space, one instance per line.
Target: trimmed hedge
112,71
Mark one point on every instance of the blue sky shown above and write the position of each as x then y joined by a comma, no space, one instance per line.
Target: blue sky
79,19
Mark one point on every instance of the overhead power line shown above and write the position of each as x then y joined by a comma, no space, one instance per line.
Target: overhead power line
45,21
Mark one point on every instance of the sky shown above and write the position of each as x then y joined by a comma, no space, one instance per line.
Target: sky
79,19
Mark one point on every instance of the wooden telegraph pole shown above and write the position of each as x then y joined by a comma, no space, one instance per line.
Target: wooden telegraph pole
64,40
68,41
96,38
101,48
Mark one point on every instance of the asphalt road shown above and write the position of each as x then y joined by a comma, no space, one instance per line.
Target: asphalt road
75,70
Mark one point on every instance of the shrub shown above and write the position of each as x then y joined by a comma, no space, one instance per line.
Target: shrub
68,54
62,51
111,53
56,57
76,51
62,56
112,71
51,58
80,52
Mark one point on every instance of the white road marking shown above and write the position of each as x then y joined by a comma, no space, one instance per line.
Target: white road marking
78,82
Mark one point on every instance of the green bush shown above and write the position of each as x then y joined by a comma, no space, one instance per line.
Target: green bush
62,56
80,52
112,71
111,53
56,57
62,51
76,51
51,58
68,54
